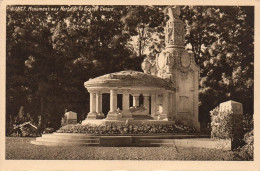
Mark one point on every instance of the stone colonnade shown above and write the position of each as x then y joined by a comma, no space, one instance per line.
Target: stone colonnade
161,104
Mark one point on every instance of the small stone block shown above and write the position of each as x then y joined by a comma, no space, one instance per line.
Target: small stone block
235,107
71,115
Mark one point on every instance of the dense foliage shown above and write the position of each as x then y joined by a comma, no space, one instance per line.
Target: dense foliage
125,129
51,51
247,151
221,125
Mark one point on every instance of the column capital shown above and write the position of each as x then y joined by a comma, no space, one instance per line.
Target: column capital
146,94
135,94
126,91
99,92
113,90
92,91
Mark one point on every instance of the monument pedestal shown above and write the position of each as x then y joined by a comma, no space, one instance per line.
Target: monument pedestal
92,115
112,116
100,116
196,125
163,117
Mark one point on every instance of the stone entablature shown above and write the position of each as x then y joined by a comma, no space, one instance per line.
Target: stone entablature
129,79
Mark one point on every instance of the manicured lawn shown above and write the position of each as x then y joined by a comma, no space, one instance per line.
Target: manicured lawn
21,148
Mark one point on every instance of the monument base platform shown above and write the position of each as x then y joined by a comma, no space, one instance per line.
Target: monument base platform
147,140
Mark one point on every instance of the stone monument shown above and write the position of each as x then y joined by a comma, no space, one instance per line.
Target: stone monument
234,112
69,118
168,85
231,106
176,64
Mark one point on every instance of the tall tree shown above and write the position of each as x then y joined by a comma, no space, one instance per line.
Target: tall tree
222,39
56,52
145,25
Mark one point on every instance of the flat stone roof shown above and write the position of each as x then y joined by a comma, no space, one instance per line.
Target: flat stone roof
129,79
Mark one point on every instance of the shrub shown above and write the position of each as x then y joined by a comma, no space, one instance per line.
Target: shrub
248,123
247,151
226,125
48,130
25,131
125,129
221,126
29,132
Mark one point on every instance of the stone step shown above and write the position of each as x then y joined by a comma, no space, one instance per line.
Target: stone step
155,141
191,142
139,139
53,139
69,136
77,139
63,143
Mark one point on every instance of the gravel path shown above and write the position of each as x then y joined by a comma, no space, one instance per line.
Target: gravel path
20,148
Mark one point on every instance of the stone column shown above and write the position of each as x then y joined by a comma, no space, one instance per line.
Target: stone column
92,114
112,114
100,115
126,114
153,104
165,107
113,101
136,99
125,101
146,103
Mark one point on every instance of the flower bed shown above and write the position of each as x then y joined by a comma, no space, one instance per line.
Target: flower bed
125,129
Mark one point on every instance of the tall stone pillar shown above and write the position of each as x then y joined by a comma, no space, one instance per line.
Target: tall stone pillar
92,114
196,96
100,115
112,114
136,99
146,103
165,107
170,104
126,114
174,110
195,122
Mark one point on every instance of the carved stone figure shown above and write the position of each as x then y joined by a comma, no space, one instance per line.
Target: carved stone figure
174,12
146,66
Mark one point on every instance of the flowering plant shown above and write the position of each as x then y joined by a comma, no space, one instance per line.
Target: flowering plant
125,129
